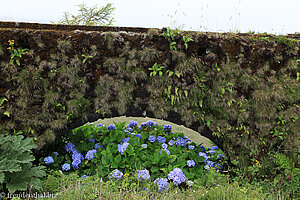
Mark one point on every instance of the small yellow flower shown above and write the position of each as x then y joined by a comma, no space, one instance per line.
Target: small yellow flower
257,163
11,42
126,174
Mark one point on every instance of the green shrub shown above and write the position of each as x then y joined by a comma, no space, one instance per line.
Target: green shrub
16,170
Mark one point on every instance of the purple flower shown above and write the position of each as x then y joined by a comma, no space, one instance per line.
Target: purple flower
162,184
144,124
125,140
218,167
177,176
111,127
76,163
211,152
122,147
90,154
187,139
190,163
66,167
167,127
48,160
97,146
161,139
150,123
143,174
132,124
84,176
171,143
152,138
164,146
209,164
155,124
69,147
128,130
214,148
55,153
166,150
191,147
100,125
202,148
77,156
203,155
138,135
91,140
115,174
180,142
220,156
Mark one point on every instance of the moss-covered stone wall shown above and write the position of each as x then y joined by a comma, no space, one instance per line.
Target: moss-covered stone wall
239,90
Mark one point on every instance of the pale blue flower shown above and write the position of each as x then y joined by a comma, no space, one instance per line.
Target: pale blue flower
152,138
132,124
48,160
166,150
122,147
143,174
69,147
190,163
191,147
161,139
167,127
66,167
97,146
162,184
144,145
84,176
116,174
164,146
111,127
90,154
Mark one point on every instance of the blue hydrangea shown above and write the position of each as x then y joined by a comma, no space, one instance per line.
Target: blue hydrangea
187,139
162,184
167,127
90,154
152,138
100,125
128,130
111,127
180,142
161,139
125,140
220,156
91,124
218,167
132,124
122,147
55,153
98,146
66,167
164,146
144,124
203,155
211,152
145,145
190,163
209,164
77,156
76,163
84,176
48,160
155,124
117,174
91,140
171,143
202,148
166,150
191,147
138,135
214,148
69,147
143,174
177,176
150,123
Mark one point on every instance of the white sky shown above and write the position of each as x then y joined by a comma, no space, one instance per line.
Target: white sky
272,16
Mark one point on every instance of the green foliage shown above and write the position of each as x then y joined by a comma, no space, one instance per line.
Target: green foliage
16,170
16,55
156,70
170,36
186,41
90,16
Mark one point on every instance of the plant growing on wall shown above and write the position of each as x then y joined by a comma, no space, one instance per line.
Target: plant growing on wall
90,16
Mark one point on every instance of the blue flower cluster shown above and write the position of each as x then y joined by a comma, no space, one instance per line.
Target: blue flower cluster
209,163
143,174
48,160
167,127
116,174
166,150
77,157
125,140
191,163
180,142
84,176
122,147
66,167
98,146
90,154
161,139
111,127
132,124
144,145
177,176
70,147
152,138
191,147
162,184
164,146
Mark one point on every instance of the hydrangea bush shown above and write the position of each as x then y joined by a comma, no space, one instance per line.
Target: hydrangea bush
155,152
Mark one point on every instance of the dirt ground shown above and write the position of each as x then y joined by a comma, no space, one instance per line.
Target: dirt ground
192,135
